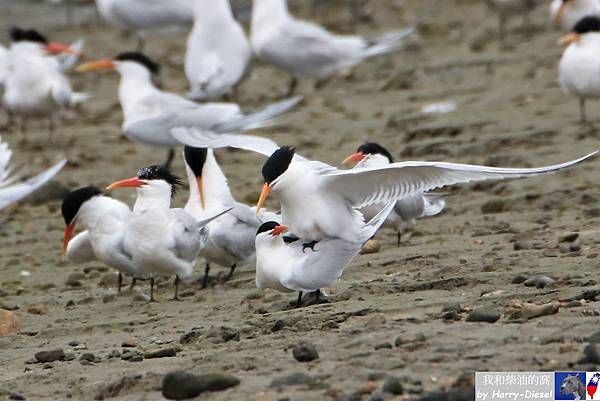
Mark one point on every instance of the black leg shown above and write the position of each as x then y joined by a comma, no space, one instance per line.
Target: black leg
299,301
399,236
292,87
177,281
310,245
170,157
231,270
133,281
140,44
206,271
119,282
317,295
582,110
152,290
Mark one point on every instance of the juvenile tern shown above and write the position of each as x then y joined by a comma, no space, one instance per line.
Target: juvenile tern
231,236
104,221
162,241
218,52
147,17
566,13
286,267
149,113
406,210
320,201
305,49
12,191
579,67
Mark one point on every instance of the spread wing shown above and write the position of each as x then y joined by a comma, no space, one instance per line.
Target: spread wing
366,186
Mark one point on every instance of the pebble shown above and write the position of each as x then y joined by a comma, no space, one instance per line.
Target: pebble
591,354
8,323
222,334
16,396
88,357
50,356
278,325
392,385
38,310
293,379
519,279
385,345
522,245
371,246
73,280
190,337
181,385
493,206
9,306
129,344
539,281
568,237
305,352
487,314
163,353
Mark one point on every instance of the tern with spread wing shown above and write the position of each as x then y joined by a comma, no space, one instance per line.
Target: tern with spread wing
406,210
12,191
305,49
150,113
104,221
218,52
566,13
231,236
162,241
320,201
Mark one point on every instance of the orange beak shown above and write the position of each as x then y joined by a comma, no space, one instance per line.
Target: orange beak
355,157
105,64
279,230
559,14
263,197
201,190
56,48
569,38
132,182
67,237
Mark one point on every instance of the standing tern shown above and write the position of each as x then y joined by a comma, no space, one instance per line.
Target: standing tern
230,237
162,241
579,67
406,210
509,8
35,85
286,267
566,13
147,17
218,52
12,191
104,221
149,113
305,49
320,201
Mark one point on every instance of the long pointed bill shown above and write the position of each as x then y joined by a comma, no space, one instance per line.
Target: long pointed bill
132,182
96,65
67,237
559,14
263,197
60,48
353,158
569,38
279,230
200,191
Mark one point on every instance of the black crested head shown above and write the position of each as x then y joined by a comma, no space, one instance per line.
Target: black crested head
587,24
278,163
156,172
139,58
73,201
195,158
26,35
268,226
372,148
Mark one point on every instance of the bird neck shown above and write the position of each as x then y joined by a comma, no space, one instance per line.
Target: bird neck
265,12
135,84
152,198
99,211
215,188
212,11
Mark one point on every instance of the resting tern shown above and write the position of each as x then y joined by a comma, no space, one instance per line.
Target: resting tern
35,85
162,241
149,113
566,13
509,8
306,50
579,67
320,201
148,17
406,210
230,237
12,191
104,221
286,267
218,52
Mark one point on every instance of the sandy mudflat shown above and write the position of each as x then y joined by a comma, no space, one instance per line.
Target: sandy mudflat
510,111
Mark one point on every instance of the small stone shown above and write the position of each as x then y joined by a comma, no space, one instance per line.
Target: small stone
305,352
38,310
293,379
50,356
8,323
73,280
522,245
519,279
594,338
371,246
539,281
163,353
223,333
575,246
493,206
591,354
9,306
69,356
452,307
180,385
487,314
190,337
74,343
568,237
88,357
278,325
385,345
129,343
15,396
392,385
136,358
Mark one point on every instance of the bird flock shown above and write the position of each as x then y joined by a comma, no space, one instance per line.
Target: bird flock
325,215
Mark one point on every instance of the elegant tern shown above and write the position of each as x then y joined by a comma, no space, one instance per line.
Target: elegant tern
12,191
406,210
305,49
104,221
579,67
147,17
162,241
566,13
320,201
218,52
231,236
285,266
149,113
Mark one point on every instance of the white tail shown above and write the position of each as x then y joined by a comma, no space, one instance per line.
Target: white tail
388,43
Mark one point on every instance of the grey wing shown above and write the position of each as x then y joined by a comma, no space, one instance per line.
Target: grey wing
155,13
80,249
410,207
186,238
237,239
